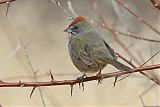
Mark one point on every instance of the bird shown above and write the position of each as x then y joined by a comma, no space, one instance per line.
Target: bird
88,51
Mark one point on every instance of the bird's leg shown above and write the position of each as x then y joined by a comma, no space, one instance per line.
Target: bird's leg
115,81
81,80
100,78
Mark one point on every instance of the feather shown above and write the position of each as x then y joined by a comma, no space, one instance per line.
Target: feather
77,20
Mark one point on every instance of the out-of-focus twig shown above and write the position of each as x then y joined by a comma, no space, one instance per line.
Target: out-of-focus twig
41,76
142,101
156,3
144,93
70,7
139,18
154,79
132,35
104,25
56,2
12,54
59,5
33,71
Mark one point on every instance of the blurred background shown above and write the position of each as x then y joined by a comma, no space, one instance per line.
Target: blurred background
40,25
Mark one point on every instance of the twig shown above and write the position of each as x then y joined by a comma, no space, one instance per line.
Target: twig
63,9
132,35
142,101
138,17
72,82
33,71
150,58
144,93
71,8
129,62
12,54
156,80
59,5
105,26
42,75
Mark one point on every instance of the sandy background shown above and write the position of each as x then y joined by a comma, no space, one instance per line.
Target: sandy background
40,24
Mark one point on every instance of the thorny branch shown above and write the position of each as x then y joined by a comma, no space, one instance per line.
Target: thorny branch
107,75
72,82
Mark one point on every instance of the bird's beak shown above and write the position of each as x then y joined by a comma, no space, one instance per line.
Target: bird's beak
68,30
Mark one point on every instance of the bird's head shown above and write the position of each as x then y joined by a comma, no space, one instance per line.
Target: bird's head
78,26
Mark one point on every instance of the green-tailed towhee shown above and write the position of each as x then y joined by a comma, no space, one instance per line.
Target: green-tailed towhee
88,50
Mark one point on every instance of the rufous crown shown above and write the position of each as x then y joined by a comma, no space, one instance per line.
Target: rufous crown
77,20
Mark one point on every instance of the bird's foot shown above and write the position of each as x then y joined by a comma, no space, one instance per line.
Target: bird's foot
100,77
81,80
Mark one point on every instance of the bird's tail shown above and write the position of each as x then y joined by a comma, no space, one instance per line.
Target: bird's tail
119,65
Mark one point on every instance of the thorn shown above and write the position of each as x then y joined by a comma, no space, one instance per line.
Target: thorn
79,85
115,81
123,78
8,5
32,91
81,81
99,81
21,84
71,85
82,86
52,78
100,78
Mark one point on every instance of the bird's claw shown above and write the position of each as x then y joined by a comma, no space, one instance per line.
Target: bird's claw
100,78
81,81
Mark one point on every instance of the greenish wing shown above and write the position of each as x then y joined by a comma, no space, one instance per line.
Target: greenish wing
103,52
86,57
80,51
